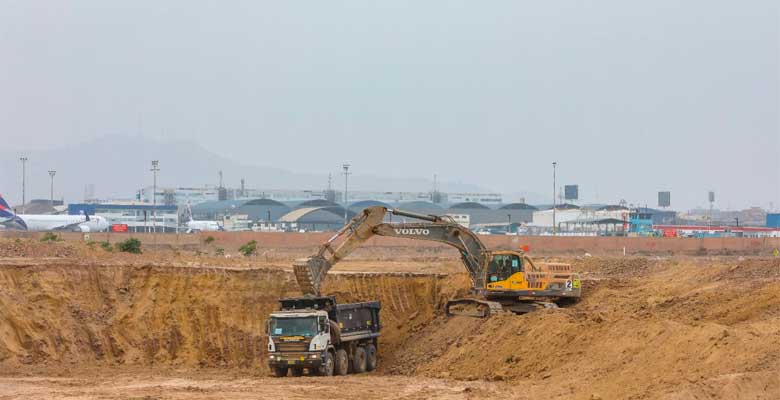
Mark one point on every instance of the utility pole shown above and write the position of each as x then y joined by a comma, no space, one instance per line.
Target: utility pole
51,174
508,223
155,169
555,164
346,186
24,175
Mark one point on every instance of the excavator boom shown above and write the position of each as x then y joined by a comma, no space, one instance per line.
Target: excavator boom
310,272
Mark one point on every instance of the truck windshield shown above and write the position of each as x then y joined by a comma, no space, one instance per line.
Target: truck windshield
293,326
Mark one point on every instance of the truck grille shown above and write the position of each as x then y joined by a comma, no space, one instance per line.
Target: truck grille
292,346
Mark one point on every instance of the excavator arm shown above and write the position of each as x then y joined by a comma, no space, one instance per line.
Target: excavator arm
310,272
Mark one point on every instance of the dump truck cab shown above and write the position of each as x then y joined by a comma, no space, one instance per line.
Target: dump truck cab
298,339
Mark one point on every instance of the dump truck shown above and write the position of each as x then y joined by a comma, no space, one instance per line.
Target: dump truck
501,280
316,334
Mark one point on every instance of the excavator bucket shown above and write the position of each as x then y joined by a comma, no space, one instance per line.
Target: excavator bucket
310,272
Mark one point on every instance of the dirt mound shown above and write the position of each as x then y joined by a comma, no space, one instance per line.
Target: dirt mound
681,330
613,266
644,329
12,248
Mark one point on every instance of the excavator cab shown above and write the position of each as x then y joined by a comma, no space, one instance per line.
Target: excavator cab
505,269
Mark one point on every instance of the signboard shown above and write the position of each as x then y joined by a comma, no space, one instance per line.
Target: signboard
119,228
664,199
571,192
711,197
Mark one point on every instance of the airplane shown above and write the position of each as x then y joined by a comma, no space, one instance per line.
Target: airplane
201,226
32,222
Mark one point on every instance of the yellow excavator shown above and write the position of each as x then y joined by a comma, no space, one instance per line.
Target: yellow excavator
501,280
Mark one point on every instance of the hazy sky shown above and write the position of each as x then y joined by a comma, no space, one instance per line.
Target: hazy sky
630,97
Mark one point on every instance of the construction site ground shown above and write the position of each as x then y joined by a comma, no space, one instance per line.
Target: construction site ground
79,322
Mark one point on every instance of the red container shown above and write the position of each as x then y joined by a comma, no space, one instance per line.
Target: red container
119,228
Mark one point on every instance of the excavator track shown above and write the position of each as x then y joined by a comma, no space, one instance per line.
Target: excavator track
472,308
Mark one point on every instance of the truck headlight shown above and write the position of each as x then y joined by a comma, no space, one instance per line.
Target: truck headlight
313,356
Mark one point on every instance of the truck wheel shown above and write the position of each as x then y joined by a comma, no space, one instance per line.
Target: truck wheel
371,360
359,360
341,365
280,372
326,369
296,372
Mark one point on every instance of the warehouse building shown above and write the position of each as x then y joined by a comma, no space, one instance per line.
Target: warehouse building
315,219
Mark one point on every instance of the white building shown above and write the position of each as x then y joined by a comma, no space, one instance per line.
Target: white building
572,215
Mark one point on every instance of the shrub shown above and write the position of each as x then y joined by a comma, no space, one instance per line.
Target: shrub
131,245
50,237
249,248
219,251
106,246
209,240
91,244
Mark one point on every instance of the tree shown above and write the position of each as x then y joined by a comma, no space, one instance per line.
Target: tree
248,249
131,245
50,237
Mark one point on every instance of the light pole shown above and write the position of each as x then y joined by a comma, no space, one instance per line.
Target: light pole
24,175
155,169
508,223
51,174
346,186
555,164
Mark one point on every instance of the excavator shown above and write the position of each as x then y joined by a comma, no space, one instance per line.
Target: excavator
501,280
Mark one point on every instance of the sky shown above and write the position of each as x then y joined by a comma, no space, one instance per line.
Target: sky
628,97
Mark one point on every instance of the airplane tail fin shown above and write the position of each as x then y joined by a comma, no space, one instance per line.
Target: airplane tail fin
189,212
8,214
85,214
5,209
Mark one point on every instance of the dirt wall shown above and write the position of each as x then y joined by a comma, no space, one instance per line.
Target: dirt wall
293,245
92,315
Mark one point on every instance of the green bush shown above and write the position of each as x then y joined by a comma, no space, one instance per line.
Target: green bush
209,240
106,246
50,237
91,244
249,248
219,251
131,245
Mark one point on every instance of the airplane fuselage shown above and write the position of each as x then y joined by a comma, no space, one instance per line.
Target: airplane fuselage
63,222
203,226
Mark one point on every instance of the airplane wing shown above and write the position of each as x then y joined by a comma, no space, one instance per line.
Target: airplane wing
71,226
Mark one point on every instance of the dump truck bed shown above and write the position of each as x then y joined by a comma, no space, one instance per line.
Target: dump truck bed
355,320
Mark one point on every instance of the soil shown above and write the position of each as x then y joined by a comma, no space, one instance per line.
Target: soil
80,322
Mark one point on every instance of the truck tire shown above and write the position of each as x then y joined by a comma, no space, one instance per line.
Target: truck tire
296,371
326,369
341,364
371,360
280,372
359,360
